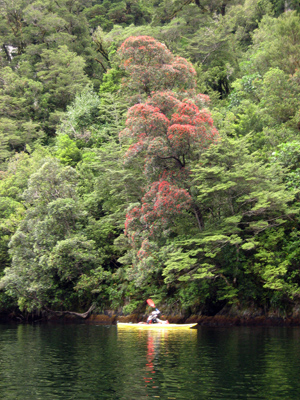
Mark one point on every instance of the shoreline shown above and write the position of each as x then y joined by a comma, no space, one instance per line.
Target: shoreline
109,317
209,321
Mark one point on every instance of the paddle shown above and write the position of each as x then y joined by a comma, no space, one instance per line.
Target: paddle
151,303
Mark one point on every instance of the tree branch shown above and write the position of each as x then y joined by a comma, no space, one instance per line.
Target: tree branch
101,63
80,315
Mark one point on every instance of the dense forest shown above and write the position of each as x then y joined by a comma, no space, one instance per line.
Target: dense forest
149,149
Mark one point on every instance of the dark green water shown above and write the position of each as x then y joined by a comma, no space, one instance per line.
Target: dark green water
98,362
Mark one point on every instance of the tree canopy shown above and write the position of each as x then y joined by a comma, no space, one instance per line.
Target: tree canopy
149,149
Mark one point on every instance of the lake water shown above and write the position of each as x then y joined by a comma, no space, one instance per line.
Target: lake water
99,362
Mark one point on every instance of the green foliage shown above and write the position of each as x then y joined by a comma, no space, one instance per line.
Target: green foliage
73,256
275,43
287,155
62,75
275,262
46,246
97,16
279,97
92,120
112,113
281,6
191,295
19,104
240,198
67,151
131,307
80,121
111,82
12,185
119,12
265,98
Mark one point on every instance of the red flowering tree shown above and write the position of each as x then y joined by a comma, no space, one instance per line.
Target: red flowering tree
151,66
168,132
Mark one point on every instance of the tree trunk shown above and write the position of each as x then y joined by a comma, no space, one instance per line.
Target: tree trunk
199,217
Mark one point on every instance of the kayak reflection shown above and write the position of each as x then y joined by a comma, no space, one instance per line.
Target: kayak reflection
149,365
154,352
155,339
158,347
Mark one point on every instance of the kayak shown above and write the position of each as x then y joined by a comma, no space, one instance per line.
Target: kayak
129,325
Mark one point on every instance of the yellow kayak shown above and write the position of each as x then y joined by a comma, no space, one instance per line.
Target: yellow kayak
128,325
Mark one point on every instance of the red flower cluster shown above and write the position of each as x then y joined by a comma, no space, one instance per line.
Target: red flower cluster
160,205
168,131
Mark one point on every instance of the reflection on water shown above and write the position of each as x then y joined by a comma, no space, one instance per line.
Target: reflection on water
98,362
149,365
161,354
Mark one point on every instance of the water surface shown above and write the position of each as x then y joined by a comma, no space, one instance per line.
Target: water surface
100,362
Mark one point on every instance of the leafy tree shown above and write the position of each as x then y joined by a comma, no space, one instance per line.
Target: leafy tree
80,121
128,12
167,10
111,82
20,103
280,97
241,198
92,120
106,189
13,28
12,184
265,99
45,24
42,269
287,155
11,213
276,44
152,67
117,12
243,18
33,26
275,265
281,6
67,151
62,75
214,47
97,16
166,133
112,112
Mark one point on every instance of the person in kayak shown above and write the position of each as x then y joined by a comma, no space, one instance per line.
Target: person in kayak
153,317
